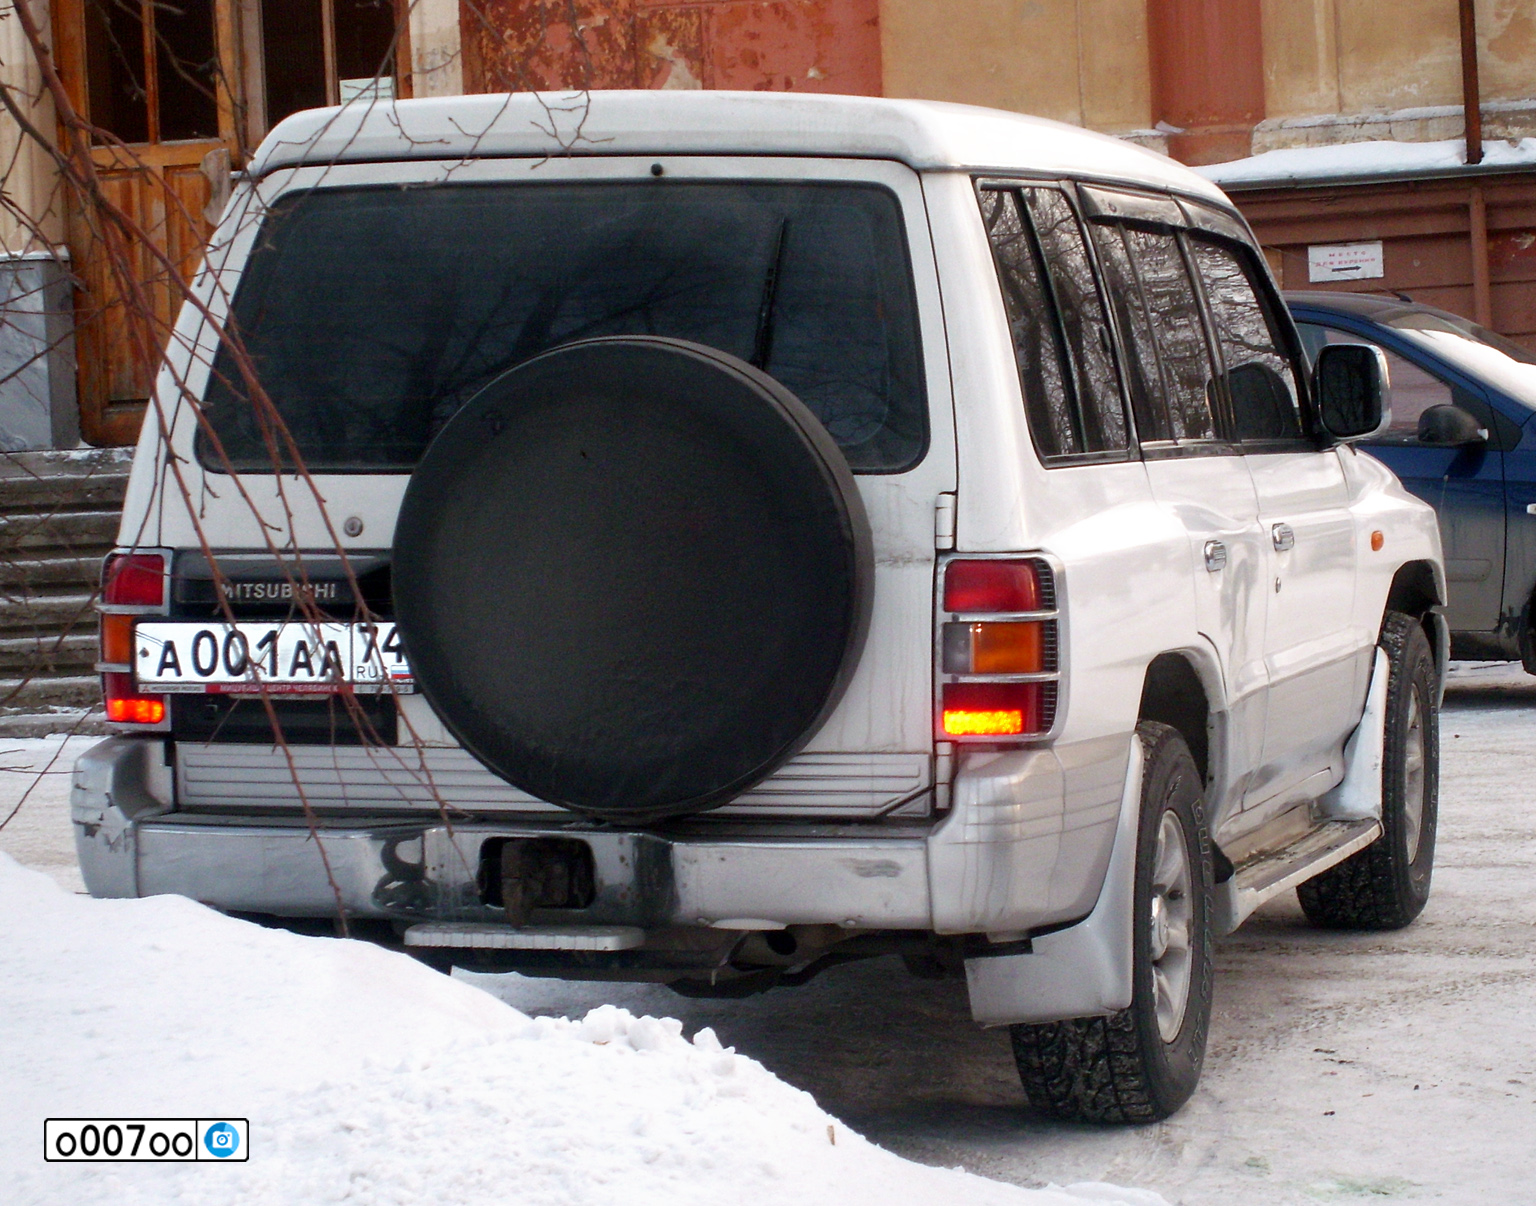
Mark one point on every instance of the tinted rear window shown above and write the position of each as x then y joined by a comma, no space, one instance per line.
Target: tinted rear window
373,314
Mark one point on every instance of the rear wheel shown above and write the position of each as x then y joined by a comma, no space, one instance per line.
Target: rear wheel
1386,885
1142,1064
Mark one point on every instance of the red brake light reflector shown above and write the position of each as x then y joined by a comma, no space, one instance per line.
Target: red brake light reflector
126,706
134,580
992,709
991,586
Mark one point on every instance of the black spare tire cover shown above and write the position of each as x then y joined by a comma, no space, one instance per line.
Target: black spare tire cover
633,576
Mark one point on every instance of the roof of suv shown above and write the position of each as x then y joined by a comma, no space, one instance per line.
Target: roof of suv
921,134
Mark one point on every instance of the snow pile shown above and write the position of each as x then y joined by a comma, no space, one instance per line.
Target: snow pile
1364,159
368,1078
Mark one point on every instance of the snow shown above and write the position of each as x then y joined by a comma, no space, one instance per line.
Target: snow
34,781
1295,165
367,1077
1342,1067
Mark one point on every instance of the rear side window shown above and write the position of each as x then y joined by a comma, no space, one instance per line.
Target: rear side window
1260,379
372,314
1143,372
1060,333
1163,325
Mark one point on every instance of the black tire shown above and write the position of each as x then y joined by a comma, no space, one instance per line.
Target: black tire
633,576
1386,885
1123,1068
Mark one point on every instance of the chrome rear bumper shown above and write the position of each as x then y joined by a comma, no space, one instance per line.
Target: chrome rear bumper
1025,845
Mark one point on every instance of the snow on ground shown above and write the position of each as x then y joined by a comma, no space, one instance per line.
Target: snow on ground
34,783
1364,159
368,1078
1342,1067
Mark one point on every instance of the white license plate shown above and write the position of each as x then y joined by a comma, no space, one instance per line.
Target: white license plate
290,658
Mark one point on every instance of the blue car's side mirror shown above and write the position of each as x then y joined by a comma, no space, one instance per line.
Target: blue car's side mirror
1450,427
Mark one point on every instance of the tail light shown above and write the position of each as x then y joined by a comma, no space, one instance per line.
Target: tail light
132,585
998,649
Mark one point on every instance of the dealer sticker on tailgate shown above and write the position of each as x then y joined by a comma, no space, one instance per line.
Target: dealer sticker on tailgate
282,657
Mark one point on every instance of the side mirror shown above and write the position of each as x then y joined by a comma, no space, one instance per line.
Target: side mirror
1350,383
1450,427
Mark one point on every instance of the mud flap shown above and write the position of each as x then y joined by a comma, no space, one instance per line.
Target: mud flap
1358,795
1083,970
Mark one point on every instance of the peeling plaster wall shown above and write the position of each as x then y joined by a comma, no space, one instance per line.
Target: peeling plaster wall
1359,58
770,45
1081,61
437,66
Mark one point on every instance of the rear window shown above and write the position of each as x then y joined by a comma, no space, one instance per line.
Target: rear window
372,314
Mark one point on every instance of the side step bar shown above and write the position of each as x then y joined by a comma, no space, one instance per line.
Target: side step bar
1266,877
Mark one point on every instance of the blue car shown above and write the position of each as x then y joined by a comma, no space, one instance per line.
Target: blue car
1462,438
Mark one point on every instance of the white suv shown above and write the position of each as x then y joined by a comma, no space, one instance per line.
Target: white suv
705,537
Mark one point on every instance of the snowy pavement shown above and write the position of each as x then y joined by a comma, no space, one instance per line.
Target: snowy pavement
1342,1067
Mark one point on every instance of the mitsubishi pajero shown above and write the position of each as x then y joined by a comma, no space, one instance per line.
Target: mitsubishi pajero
706,537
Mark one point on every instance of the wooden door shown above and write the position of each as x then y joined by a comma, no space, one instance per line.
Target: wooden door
179,92
155,79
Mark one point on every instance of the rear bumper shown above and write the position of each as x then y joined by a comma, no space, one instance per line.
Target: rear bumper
1025,845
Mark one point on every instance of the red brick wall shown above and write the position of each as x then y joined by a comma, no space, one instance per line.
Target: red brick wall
774,45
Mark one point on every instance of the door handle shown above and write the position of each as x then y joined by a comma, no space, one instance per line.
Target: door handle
1284,538
1215,555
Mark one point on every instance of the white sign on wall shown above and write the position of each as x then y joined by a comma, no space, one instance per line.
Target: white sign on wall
1345,261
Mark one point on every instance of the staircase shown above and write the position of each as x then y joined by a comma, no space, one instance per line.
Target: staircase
58,517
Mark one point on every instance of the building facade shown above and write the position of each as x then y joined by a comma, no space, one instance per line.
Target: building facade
177,97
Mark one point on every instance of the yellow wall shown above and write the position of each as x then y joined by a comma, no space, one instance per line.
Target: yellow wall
1506,32
1082,61
1374,56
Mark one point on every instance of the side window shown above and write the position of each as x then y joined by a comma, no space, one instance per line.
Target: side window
1260,379
1188,376
1082,317
1143,374
1060,336
1411,390
1036,343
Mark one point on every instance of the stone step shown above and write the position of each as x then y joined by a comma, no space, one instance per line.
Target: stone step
75,722
77,532
25,612
19,575
51,655
39,694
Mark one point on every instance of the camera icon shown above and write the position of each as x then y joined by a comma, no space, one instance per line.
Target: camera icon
221,1140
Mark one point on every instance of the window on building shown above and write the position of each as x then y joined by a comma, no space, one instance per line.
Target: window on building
325,52
151,69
